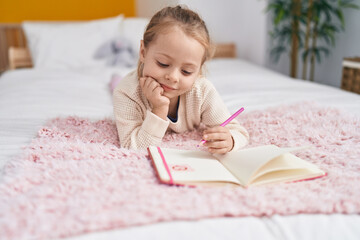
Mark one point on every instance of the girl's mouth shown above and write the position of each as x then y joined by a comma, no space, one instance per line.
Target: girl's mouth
166,88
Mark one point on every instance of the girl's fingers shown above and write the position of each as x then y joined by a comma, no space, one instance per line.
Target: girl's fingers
158,91
149,84
217,129
215,136
144,83
218,140
218,150
216,144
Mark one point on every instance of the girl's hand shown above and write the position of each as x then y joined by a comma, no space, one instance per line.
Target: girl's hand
218,140
154,93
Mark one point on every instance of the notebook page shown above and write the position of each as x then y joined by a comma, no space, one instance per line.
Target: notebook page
191,166
244,163
287,176
286,161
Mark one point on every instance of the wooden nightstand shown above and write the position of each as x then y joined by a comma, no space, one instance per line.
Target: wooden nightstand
19,58
351,75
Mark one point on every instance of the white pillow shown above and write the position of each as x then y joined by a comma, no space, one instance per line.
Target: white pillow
69,45
133,29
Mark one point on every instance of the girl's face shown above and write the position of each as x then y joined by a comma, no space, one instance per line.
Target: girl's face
173,59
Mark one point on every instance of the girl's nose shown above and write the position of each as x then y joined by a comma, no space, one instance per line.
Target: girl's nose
172,75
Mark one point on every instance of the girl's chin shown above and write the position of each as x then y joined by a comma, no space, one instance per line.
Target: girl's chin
173,94
169,95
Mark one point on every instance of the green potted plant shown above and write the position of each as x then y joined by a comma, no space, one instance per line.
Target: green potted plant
300,24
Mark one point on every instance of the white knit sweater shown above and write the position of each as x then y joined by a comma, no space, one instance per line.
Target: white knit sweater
138,127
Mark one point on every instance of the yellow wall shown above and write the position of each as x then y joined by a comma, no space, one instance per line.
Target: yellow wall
15,11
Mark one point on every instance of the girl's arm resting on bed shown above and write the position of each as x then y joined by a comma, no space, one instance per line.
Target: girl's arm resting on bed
135,130
146,133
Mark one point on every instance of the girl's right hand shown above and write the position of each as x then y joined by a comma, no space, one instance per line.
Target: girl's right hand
154,93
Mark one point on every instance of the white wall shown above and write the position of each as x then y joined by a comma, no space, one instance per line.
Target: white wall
347,45
147,8
239,21
245,23
242,22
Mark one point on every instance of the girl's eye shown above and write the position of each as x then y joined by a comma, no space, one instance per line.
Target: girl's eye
186,72
162,64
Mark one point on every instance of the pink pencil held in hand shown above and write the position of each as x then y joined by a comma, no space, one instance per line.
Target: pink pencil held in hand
225,123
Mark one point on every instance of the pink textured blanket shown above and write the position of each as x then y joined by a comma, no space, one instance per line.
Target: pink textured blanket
74,178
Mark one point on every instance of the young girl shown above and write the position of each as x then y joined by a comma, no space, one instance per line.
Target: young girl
167,91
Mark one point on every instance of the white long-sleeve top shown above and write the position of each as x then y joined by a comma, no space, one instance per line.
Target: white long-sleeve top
139,128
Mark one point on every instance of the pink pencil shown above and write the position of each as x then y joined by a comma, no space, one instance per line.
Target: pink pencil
225,123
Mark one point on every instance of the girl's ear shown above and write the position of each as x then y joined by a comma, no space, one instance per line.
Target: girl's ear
142,51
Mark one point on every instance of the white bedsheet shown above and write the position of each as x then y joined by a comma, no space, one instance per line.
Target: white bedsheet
29,97
245,84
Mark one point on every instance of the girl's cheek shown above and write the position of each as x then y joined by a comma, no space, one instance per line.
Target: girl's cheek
149,70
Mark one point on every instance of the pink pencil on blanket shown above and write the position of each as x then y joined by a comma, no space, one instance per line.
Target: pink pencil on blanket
225,123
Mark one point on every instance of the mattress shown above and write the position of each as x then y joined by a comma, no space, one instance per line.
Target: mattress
30,97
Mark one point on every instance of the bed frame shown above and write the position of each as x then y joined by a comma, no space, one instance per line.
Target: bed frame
15,54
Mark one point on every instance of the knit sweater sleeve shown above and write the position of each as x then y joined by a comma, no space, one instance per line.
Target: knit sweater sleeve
214,112
137,127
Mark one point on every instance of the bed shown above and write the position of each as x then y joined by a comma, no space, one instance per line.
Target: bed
29,97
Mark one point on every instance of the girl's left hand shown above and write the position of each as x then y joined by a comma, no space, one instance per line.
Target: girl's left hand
218,140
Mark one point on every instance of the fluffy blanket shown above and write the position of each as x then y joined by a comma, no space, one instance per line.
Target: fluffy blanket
73,178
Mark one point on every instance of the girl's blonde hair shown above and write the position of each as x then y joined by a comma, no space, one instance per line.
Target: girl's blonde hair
188,20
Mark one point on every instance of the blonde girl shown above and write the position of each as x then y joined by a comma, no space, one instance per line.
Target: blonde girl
167,91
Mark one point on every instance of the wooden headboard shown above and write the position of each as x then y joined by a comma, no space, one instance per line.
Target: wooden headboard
11,35
15,54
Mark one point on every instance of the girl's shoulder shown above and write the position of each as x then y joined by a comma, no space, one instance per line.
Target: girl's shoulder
128,84
203,86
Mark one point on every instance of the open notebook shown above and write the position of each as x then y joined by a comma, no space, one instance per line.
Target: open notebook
251,166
